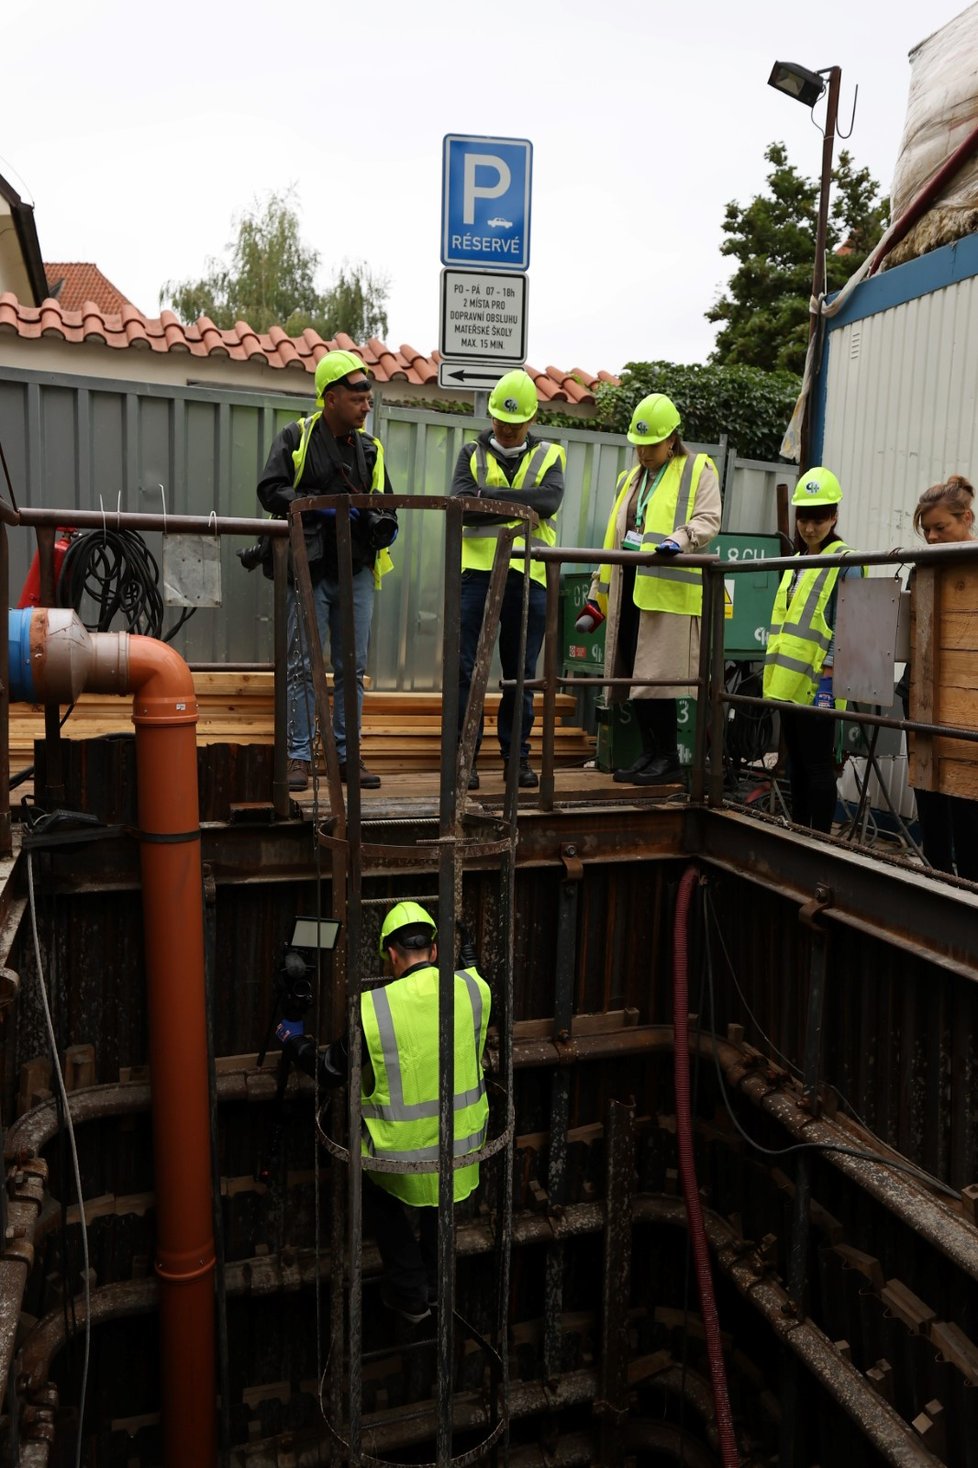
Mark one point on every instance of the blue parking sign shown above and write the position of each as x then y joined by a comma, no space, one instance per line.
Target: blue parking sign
486,202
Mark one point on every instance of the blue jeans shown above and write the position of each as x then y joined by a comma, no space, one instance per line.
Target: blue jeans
329,618
475,589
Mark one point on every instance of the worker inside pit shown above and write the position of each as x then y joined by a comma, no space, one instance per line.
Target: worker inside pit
399,1099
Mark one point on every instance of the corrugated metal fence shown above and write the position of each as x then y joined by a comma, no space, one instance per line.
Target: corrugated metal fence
83,443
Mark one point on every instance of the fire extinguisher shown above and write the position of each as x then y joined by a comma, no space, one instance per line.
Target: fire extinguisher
30,595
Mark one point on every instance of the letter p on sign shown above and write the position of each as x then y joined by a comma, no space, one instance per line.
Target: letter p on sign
472,189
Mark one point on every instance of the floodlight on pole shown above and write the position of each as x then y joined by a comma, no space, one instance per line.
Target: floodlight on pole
797,81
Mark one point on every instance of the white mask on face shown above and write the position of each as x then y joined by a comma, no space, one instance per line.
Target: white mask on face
512,453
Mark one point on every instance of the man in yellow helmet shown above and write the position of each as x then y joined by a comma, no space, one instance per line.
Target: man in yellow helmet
507,462
330,453
399,1098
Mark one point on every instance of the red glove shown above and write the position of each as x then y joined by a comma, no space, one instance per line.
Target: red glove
591,617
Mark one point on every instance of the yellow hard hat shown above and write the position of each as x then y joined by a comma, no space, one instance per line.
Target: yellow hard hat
405,915
817,486
332,367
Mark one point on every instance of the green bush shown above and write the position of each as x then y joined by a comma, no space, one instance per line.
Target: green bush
750,406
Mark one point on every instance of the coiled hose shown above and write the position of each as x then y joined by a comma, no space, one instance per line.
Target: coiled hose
687,1172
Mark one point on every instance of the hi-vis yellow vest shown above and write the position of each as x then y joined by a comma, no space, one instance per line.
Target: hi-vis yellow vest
383,563
663,586
479,541
800,636
400,1113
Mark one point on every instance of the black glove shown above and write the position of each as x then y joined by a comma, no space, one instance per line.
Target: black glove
467,956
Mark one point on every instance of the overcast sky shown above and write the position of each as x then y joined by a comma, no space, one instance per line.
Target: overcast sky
139,132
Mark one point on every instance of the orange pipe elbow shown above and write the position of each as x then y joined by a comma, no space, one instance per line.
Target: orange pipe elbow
165,717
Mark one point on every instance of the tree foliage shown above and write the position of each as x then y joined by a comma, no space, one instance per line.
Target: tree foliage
270,279
750,406
764,311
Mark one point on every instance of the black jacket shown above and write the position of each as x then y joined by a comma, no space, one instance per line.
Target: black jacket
323,474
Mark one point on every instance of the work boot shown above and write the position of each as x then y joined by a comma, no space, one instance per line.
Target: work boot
367,780
665,769
625,777
403,1308
298,772
526,779
474,779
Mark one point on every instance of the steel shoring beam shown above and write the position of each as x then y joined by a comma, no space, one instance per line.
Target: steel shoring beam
449,893
546,800
903,906
801,1207
484,648
698,774
565,966
882,1426
314,652
616,1281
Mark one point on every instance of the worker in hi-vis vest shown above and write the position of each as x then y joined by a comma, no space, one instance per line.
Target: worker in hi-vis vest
507,462
330,453
667,502
799,659
399,1099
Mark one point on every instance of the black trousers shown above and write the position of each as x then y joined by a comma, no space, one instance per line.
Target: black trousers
949,831
410,1259
811,768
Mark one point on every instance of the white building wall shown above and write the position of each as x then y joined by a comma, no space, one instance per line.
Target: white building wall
902,410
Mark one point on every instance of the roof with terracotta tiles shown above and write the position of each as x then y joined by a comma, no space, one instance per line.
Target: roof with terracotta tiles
77,282
128,327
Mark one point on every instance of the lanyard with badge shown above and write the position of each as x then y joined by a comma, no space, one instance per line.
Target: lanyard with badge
633,538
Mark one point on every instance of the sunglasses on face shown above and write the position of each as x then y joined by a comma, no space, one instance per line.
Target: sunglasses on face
364,385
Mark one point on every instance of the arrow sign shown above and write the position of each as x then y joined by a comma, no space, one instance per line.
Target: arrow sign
457,374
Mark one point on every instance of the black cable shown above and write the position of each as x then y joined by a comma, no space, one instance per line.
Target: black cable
860,1154
116,570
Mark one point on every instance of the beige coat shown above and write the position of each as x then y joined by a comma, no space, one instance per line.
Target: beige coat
668,643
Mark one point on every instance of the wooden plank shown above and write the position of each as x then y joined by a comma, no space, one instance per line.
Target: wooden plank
959,588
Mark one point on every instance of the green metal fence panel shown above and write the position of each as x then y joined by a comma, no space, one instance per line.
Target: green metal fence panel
86,443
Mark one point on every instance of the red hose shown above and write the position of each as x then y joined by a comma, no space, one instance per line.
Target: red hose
687,1173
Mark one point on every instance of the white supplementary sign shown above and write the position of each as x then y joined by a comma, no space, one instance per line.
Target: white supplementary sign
483,317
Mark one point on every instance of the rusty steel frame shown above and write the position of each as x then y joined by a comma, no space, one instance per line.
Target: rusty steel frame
342,836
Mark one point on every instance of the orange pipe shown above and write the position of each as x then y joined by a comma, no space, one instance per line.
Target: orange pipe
165,716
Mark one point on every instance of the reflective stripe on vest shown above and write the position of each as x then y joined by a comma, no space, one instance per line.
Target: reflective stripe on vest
399,1109
488,476
797,648
383,562
401,1130
661,586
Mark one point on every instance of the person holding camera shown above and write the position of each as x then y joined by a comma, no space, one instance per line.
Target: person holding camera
399,1093
330,453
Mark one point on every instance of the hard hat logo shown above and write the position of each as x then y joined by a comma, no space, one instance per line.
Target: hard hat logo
818,486
514,398
655,418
